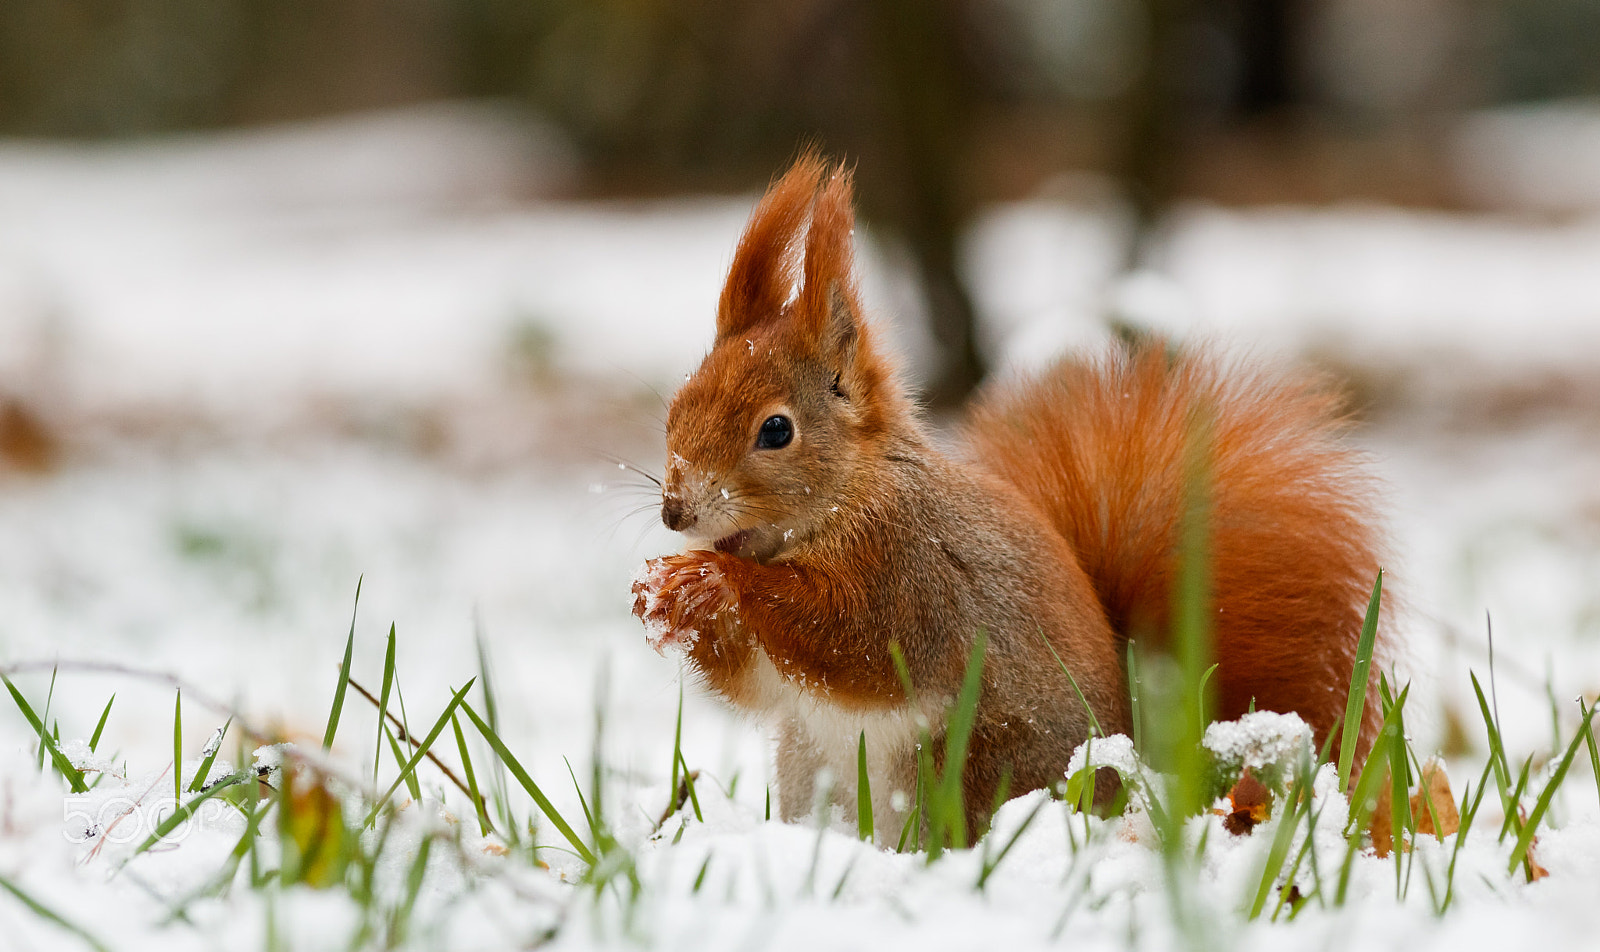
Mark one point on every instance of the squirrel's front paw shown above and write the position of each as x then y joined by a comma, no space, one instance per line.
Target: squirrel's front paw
674,594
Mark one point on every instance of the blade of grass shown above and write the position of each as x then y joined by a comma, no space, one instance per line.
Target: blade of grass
1137,717
990,865
1356,704
49,696
521,775
838,889
401,921
45,912
63,766
913,822
1400,819
1514,816
863,791
1594,754
1362,801
958,733
177,747
412,786
383,701
1288,820
1525,839
208,756
427,742
94,739
688,783
344,676
498,784
1497,750
1467,817
1094,722
583,804
677,741
187,810
484,826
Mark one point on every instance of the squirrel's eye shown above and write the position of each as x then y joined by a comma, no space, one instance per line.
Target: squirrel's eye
776,432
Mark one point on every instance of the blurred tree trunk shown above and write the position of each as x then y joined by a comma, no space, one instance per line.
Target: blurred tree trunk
1147,163
925,128
1267,46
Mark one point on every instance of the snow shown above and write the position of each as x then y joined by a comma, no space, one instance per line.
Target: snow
1259,739
309,299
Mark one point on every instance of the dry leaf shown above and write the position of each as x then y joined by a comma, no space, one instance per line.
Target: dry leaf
1435,789
1535,871
1382,827
1250,803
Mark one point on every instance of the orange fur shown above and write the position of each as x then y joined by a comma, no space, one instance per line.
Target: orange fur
810,556
1100,447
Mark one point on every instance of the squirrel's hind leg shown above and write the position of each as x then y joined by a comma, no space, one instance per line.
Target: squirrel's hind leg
798,762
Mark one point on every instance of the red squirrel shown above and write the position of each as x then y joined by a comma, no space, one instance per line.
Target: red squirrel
824,524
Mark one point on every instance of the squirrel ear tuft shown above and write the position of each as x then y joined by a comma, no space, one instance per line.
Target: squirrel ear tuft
828,310
763,273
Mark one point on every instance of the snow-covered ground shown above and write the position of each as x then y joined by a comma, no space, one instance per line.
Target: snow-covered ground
281,361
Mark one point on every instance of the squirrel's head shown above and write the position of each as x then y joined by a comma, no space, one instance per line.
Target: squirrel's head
786,411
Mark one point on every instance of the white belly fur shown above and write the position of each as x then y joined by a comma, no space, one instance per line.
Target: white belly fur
817,742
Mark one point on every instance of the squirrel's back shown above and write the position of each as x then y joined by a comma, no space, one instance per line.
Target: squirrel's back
1103,447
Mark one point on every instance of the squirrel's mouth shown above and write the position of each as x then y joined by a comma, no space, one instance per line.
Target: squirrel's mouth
733,543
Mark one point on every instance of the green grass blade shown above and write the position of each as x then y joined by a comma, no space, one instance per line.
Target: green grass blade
63,766
1594,754
383,701
422,749
1372,772
950,815
1467,817
863,791
187,810
583,804
209,757
484,826
344,676
1525,839
1135,713
1297,800
1513,820
1094,722
990,865
521,775
688,783
1355,706
45,912
177,747
94,739
1497,750
412,787
401,922
49,696
677,745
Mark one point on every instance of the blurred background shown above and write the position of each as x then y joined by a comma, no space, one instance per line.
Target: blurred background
296,290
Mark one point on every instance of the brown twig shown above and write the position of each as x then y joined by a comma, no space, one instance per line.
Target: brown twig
400,732
679,798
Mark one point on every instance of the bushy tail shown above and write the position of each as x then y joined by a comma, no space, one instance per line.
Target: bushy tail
1100,447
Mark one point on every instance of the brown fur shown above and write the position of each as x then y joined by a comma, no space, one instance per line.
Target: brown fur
808,561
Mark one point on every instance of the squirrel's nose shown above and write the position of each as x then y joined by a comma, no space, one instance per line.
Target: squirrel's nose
675,515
